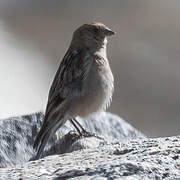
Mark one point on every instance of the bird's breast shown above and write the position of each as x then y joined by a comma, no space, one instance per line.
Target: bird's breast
98,87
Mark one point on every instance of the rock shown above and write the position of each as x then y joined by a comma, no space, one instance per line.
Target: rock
136,159
17,135
116,150
72,141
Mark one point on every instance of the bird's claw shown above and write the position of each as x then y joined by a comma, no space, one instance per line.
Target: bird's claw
89,134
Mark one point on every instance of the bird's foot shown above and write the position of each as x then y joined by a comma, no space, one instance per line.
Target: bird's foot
85,133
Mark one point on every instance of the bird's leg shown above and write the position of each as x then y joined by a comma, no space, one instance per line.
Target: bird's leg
71,120
83,130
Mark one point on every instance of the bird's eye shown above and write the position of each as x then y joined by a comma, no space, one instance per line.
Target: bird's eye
95,29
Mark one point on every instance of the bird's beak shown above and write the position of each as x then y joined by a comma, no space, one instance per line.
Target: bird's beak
109,32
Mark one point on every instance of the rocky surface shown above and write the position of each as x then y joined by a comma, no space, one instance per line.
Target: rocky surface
144,158
116,151
17,135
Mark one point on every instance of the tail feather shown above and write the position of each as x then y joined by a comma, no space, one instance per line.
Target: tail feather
49,122
47,130
42,144
39,136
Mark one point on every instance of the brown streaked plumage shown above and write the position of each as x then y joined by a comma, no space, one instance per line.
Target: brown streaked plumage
82,85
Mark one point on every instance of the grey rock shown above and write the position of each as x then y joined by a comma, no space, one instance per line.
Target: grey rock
136,159
17,135
72,141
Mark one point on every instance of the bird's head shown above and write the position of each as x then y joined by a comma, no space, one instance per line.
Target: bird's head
92,35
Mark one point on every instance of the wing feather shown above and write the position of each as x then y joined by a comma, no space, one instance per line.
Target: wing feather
70,77
68,80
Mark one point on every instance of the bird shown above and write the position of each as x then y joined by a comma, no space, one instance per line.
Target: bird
83,83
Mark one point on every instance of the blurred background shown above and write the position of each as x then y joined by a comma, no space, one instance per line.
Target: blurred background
144,56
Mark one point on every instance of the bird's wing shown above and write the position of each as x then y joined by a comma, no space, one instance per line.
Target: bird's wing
70,76
68,80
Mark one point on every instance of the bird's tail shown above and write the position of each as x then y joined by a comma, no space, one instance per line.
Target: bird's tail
46,131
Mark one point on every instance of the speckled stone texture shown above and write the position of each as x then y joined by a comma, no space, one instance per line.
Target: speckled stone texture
136,159
118,152
17,135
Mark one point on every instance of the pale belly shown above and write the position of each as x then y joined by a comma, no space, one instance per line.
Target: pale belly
97,92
